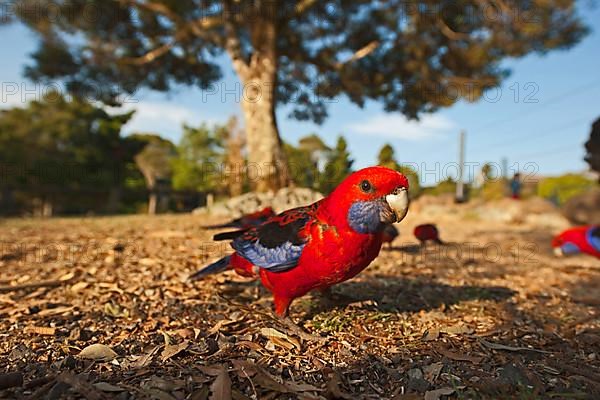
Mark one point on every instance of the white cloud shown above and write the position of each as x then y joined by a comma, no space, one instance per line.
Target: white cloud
163,118
397,126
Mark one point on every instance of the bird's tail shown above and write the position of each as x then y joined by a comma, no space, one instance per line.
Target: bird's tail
216,267
228,235
221,226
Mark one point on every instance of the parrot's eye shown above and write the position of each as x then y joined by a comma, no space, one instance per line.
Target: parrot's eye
366,186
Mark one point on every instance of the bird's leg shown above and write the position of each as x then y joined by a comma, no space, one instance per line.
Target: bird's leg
282,305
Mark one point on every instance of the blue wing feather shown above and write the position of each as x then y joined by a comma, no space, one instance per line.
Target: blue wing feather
277,244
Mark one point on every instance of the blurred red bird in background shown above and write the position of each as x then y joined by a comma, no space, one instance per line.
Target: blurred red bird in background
427,232
247,220
581,239
325,243
390,232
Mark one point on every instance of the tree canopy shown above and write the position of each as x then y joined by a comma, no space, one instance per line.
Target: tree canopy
59,145
592,147
412,57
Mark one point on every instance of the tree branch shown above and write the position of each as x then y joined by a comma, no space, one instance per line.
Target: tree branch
304,5
449,33
198,27
360,53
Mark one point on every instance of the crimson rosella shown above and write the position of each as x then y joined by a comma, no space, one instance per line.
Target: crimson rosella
317,246
581,239
427,232
247,220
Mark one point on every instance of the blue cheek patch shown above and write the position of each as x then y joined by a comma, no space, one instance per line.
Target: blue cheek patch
570,248
363,216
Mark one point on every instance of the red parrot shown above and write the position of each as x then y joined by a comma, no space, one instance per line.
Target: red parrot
325,243
581,239
390,232
427,232
247,220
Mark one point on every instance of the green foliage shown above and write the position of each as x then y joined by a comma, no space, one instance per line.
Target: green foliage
386,158
338,167
447,186
559,189
494,189
303,170
57,145
200,158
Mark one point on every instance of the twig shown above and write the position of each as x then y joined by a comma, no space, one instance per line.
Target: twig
35,285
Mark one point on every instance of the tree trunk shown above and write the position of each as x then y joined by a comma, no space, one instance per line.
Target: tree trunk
267,164
152,202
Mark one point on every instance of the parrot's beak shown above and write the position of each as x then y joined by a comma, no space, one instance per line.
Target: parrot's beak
558,252
398,202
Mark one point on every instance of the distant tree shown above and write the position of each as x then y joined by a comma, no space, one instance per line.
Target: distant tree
592,147
560,189
411,56
386,158
235,160
154,162
447,186
200,158
58,146
338,167
303,170
315,146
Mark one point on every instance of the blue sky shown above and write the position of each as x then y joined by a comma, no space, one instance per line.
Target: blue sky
538,119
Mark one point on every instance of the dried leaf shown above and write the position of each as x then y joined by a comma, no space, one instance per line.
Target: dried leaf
432,371
274,335
172,350
270,332
221,387
458,329
333,388
436,394
459,356
210,371
79,286
107,387
98,352
146,359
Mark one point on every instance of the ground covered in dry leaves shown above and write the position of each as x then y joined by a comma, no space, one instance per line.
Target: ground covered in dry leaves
99,308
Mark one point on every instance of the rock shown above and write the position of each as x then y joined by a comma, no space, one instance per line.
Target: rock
282,200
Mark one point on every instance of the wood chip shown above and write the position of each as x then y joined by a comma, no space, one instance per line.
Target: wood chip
41,330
